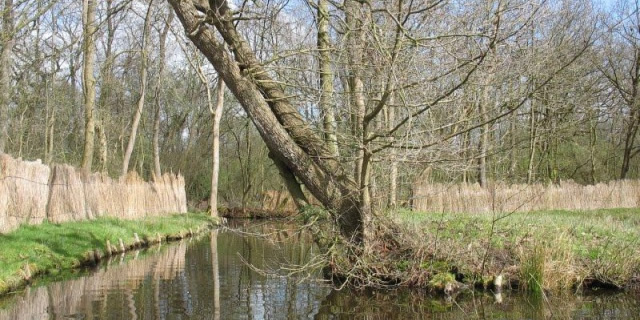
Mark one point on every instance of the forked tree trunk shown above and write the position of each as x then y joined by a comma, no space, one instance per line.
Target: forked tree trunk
289,138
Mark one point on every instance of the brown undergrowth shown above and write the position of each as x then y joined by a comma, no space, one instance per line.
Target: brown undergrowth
538,252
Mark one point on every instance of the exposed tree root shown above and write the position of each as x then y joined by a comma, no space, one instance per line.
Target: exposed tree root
396,258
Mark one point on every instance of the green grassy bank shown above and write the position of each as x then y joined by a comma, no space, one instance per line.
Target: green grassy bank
537,251
49,248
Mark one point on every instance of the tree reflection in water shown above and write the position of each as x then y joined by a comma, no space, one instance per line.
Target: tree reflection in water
214,277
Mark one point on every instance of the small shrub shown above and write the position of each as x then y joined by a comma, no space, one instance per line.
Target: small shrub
439,281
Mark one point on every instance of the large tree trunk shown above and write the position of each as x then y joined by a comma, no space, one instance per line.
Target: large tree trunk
289,138
143,90
6,63
89,81
356,22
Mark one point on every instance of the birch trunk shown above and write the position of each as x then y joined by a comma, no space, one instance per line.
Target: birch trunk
216,114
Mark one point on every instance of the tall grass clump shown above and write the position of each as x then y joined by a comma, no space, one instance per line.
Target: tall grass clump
538,251
532,269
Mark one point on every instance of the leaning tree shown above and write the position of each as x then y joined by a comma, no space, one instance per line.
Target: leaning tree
401,71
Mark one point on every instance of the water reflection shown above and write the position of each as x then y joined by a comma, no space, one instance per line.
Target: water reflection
113,292
215,275
219,277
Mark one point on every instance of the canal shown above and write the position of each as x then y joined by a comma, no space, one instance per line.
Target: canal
267,270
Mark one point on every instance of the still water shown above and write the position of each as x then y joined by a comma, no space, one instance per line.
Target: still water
246,273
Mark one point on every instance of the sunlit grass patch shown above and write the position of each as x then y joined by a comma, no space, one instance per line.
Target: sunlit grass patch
47,248
556,249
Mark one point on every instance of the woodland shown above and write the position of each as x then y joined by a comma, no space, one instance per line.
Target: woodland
343,103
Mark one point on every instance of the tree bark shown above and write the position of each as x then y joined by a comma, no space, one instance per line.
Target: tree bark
393,177
6,63
355,40
326,77
533,136
356,21
102,146
89,81
106,89
143,90
216,115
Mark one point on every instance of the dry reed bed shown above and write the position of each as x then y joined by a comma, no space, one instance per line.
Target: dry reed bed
24,189
501,197
76,195
31,192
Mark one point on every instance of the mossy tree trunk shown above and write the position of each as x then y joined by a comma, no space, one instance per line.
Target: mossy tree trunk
289,138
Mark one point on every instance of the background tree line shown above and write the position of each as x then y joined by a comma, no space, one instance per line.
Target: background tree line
511,90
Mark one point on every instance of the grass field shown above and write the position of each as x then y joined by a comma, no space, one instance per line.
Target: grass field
49,248
538,251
